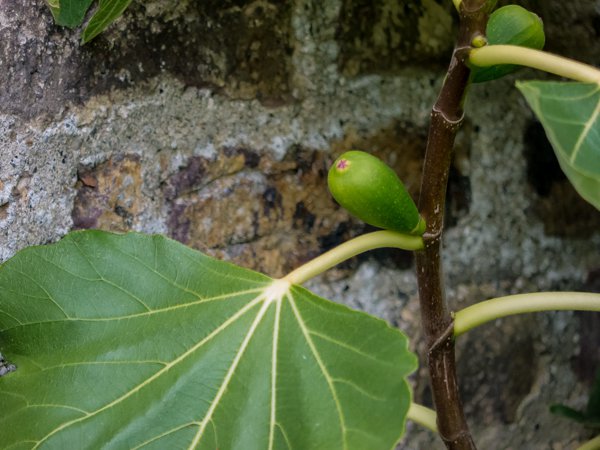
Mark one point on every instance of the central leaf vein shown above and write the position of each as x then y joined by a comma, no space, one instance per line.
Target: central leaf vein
273,418
272,293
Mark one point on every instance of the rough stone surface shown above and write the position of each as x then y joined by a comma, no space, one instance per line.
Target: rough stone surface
214,123
192,41
382,36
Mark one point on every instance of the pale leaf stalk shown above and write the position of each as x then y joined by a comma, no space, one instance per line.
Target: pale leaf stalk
457,4
422,415
594,444
493,55
353,247
490,310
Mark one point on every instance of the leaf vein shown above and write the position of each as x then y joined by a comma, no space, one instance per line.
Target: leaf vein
102,363
166,433
359,389
226,275
346,346
12,317
285,436
156,375
324,370
93,266
230,372
586,129
45,291
274,348
142,314
156,272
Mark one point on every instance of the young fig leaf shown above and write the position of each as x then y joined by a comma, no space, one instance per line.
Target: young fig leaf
371,191
510,25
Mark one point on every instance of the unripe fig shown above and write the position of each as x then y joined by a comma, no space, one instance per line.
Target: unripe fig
510,25
370,190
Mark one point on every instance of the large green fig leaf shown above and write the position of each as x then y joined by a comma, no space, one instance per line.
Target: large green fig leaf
570,114
133,341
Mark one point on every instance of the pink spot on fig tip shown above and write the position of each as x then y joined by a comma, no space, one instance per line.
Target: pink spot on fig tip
342,164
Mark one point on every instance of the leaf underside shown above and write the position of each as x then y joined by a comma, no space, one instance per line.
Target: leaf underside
108,11
570,114
133,341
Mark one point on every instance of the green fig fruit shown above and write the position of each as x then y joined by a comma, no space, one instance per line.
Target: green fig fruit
370,190
510,25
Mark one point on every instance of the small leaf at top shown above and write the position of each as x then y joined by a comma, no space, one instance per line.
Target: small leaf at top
567,412
570,114
69,13
133,341
593,406
108,11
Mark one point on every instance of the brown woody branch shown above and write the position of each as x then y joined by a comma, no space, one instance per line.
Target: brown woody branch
446,119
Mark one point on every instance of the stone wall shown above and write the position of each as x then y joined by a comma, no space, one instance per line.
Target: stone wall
214,122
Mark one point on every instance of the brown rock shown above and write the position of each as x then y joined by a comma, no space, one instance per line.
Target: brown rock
270,221
271,215
109,196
